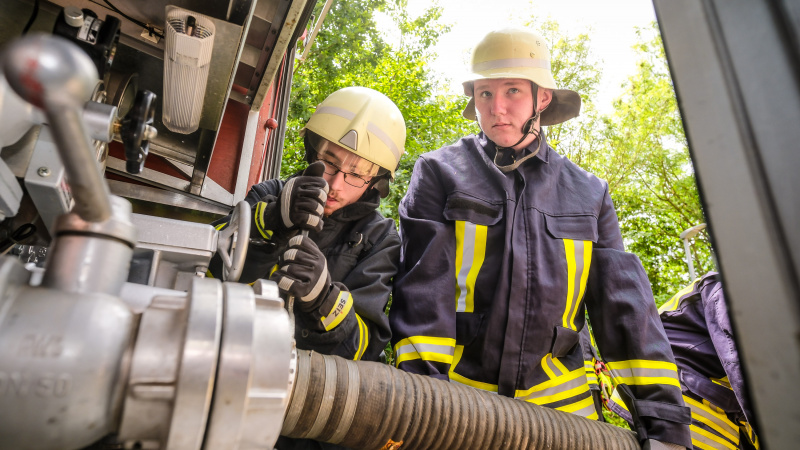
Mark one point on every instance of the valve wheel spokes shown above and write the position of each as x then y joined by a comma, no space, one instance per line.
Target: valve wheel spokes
233,241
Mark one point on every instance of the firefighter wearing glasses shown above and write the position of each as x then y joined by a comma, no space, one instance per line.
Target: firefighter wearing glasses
341,273
506,244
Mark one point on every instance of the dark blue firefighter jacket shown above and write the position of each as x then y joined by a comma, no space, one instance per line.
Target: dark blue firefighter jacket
497,270
699,329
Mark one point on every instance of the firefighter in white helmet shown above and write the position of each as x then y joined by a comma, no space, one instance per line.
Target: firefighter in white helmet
341,273
522,243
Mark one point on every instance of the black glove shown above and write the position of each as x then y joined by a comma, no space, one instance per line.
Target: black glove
303,273
303,198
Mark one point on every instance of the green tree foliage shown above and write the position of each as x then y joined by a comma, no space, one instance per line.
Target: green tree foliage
647,164
349,51
574,67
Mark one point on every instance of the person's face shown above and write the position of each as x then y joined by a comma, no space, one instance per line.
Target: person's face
342,192
503,105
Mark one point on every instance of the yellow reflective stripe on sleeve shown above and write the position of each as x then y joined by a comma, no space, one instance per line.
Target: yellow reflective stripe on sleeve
673,303
260,223
208,274
644,381
561,368
722,382
553,367
550,390
750,433
459,379
591,375
470,254
426,348
259,215
221,226
704,439
546,366
577,390
639,372
714,418
584,408
579,259
344,302
616,398
363,338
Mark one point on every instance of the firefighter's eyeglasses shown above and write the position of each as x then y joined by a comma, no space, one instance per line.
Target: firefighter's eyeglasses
353,179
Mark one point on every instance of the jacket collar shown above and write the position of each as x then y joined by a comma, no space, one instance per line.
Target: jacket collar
490,148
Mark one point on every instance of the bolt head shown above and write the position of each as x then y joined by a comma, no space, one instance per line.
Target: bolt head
43,171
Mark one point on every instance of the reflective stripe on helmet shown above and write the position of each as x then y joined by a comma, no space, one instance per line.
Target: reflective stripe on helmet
515,62
371,127
374,129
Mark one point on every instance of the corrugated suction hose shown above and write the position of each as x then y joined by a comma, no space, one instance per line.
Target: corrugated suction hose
364,405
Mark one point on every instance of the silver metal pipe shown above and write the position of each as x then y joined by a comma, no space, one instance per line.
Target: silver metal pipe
91,257
88,187
686,235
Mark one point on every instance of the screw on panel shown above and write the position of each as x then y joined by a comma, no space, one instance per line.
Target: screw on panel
43,171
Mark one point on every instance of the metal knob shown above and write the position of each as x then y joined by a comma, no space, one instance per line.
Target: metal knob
48,69
73,16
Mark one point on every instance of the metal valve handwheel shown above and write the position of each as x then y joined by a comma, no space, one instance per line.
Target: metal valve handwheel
137,130
232,242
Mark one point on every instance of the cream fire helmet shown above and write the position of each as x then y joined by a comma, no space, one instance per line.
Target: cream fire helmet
514,53
364,122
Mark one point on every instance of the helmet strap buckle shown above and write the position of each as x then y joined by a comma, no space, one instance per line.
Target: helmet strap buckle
517,162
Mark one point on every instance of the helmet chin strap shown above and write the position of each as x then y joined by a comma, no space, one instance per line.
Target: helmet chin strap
527,128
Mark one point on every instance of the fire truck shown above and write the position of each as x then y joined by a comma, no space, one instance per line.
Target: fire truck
127,126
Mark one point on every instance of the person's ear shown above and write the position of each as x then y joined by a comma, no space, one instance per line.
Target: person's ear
545,97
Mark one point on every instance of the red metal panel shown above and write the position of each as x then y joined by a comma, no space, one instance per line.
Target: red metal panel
262,136
224,163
